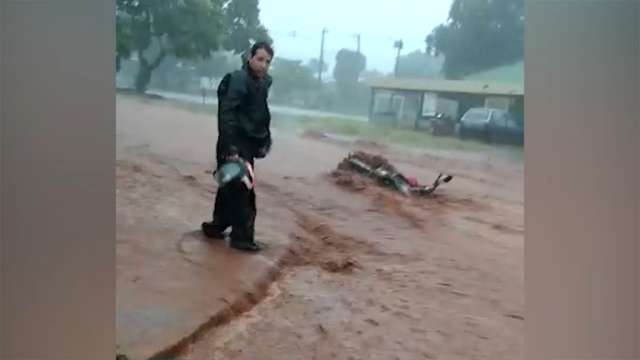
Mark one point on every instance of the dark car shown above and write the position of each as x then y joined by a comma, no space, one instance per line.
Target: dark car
492,125
438,125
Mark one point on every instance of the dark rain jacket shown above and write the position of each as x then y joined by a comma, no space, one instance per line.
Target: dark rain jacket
244,118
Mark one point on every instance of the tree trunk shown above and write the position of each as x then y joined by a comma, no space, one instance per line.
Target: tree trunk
143,78
145,70
144,75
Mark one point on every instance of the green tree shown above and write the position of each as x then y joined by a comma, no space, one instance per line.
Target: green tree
186,29
479,34
241,25
218,64
348,68
292,77
124,39
314,65
166,74
419,64
349,65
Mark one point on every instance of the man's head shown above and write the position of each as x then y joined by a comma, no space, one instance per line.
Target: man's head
260,58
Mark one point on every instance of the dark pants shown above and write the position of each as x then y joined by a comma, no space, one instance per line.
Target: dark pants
235,205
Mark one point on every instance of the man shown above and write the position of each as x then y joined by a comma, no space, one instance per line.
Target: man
243,133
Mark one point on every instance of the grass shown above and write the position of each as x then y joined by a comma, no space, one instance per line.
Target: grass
191,107
196,108
382,134
357,129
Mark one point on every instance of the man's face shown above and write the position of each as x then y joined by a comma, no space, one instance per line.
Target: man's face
260,63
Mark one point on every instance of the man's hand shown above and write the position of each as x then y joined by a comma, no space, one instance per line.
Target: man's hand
232,153
265,149
262,152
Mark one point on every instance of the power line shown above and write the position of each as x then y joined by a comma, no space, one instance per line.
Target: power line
346,35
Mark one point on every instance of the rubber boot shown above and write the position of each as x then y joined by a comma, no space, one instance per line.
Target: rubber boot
242,237
213,230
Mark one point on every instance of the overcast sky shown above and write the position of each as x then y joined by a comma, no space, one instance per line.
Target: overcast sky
296,27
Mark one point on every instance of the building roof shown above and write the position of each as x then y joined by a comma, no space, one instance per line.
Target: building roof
451,86
513,73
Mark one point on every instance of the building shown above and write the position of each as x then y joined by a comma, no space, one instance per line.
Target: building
402,102
512,73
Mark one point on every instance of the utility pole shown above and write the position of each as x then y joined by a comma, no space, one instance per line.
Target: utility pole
358,39
398,45
321,62
427,45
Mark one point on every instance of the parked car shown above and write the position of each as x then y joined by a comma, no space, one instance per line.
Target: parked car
438,125
492,125
438,115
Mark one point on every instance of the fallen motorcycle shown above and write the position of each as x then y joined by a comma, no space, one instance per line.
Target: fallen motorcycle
391,178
